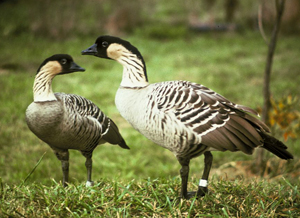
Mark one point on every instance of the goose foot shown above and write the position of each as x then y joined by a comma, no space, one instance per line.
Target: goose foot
200,193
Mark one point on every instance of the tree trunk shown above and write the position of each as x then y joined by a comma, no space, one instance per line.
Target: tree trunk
267,75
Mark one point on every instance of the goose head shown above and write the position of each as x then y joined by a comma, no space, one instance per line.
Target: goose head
114,48
59,64
55,65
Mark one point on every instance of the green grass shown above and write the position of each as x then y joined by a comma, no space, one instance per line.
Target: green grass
144,180
150,198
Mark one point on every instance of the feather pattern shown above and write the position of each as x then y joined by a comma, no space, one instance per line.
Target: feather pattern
197,116
89,123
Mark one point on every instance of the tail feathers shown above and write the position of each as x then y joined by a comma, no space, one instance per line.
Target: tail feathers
113,136
276,147
123,144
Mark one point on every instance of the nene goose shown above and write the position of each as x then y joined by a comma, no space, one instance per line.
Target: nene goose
184,117
67,121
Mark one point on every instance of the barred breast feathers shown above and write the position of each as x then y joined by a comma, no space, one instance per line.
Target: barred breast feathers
205,113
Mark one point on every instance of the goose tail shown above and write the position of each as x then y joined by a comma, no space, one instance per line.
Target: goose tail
276,147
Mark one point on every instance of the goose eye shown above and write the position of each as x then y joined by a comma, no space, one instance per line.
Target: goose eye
63,61
104,44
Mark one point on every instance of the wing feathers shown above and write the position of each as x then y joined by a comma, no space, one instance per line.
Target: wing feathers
207,117
220,123
93,120
246,109
246,129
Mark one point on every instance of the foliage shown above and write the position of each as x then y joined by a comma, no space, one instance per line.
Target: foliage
285,116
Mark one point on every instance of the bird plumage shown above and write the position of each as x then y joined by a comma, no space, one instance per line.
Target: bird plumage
184,117
68,121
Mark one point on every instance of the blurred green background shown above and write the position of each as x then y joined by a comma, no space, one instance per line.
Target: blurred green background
215,43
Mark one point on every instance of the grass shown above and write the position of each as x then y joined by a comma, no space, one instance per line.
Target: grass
150,198
145,180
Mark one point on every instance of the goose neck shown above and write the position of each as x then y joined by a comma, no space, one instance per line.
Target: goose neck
42,87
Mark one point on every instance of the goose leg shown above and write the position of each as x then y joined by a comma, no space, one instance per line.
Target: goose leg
63,156
88,165
202,189
184,174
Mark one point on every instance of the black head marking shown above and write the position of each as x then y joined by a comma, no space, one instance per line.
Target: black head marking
99,49
103,43
65,60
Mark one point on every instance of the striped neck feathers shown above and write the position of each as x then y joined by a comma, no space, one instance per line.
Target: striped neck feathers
134,68
42,87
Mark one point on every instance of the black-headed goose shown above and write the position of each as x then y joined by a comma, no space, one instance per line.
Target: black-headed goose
67,121
184,117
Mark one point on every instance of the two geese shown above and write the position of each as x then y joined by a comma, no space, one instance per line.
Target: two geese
184,117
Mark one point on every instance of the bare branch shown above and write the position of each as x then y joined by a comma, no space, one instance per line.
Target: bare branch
260,24
267,76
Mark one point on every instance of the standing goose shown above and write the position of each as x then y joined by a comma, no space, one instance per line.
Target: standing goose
67,121
184,117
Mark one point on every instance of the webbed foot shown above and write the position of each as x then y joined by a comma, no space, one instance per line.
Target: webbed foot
200,193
